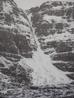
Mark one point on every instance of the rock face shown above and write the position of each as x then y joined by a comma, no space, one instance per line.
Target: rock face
15,29
15,42
54,25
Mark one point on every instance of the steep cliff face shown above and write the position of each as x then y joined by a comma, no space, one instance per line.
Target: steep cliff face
15,40
15,30
54,25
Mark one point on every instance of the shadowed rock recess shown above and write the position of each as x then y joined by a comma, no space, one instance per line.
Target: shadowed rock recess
53,25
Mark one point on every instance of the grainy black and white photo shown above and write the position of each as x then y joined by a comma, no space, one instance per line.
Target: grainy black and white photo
36,48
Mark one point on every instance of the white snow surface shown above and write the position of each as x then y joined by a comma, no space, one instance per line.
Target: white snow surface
44,72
